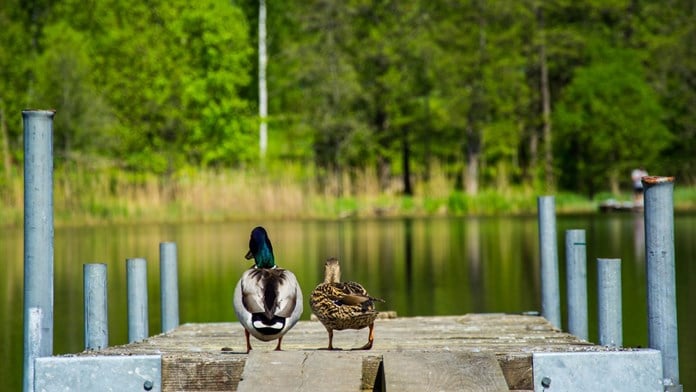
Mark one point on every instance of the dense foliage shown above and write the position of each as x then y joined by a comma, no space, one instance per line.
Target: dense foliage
497,93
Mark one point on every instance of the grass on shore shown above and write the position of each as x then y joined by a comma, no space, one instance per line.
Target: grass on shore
101,196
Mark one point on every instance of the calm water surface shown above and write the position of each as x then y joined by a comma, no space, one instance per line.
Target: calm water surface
419,266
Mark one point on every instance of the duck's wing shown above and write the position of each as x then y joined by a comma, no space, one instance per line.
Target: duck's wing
289,296
252,286
349,296
355,294
273,292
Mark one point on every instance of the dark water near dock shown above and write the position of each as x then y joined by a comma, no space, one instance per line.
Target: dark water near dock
419,266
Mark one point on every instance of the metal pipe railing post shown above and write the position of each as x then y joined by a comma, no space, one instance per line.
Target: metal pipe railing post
609,302
660,271
96,306
38,238
138,328
576,279
550,292
169,286
32,346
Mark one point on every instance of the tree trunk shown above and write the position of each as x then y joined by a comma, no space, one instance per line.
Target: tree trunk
406,157
383,172
477,111
614,182
545,104
533,155
6,159
263,94
427,153
383,161
471,171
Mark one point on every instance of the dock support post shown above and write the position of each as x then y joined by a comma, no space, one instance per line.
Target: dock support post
138,328
660,271
576,279
609,302
32,345
38,239
96,306
550,292
169,286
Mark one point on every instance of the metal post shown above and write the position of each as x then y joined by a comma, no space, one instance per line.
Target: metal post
550,292
138,328
32,346
169,286
38,237
609,302
659,257
576,277
96,307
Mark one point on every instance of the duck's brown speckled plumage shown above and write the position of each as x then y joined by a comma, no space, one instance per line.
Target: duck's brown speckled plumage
343,305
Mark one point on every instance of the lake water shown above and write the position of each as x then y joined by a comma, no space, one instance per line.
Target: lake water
419,266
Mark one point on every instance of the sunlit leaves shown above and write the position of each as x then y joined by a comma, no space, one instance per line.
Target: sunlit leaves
608,115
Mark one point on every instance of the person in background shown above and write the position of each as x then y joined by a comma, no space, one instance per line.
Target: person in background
636,176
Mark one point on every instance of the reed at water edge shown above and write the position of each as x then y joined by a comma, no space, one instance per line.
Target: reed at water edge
109,195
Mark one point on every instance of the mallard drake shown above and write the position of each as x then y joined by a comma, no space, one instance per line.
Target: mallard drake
267,299
343,305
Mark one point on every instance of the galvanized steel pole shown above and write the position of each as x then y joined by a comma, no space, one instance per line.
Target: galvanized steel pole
96,307
550,292
609,302
38,238
32,346
138,328
660,271
169,286
576,280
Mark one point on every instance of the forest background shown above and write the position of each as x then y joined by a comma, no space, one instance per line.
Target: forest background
434,107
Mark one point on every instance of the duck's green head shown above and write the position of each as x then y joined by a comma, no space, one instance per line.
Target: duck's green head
260,248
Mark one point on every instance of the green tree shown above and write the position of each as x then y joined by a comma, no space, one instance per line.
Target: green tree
14,84
63,82
608,122
170,72
482,84
664,34
390,86
215,50
324,89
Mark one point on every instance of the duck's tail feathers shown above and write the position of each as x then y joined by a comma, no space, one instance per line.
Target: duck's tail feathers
267,326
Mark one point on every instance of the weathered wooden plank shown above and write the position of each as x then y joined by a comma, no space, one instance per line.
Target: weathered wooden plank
201,372
512,338
442,371
518,371
333,371
491,333
301,371
370,368
266,371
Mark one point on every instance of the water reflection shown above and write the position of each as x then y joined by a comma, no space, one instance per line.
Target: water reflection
419,266
473,260
408,261
639,236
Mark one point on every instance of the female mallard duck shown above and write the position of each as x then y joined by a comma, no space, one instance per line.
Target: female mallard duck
267,299
343,305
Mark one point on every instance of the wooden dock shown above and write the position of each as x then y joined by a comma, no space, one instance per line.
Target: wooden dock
482,352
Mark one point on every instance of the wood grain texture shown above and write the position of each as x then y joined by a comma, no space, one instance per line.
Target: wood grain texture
443,371
301,371
201,372
193,360
518,371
